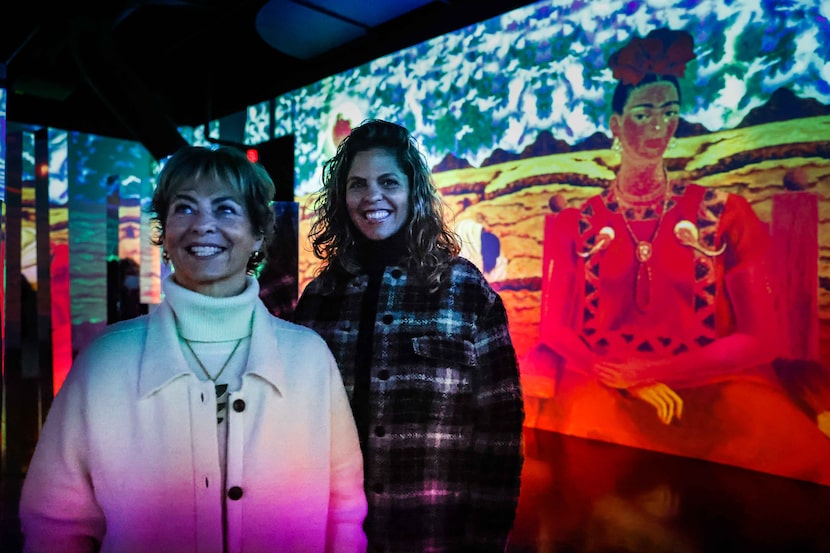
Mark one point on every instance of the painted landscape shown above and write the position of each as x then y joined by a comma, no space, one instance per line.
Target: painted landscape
782,147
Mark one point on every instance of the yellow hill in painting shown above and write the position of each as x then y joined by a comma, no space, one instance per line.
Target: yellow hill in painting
513,198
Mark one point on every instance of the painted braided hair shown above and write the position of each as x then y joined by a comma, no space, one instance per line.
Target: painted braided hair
660,56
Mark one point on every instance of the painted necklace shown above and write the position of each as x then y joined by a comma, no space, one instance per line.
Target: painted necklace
643,251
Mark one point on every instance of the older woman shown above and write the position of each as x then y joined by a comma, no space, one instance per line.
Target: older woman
423,344
209,425
661,312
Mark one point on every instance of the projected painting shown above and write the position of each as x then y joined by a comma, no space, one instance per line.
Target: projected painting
88,176
2,144
514,116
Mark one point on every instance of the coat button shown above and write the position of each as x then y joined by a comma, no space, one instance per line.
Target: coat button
387,319
235,493
383,375
380,431
396,273
239,405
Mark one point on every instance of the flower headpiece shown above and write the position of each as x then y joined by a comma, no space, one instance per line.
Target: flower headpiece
662,52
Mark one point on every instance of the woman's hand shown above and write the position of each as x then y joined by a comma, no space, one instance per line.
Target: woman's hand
618,374
823,421
632,377
668,404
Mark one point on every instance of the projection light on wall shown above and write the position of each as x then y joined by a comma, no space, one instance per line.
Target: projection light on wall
285,24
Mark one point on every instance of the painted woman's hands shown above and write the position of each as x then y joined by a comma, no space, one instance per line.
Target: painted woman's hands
668,404
618,374
823,420
634,378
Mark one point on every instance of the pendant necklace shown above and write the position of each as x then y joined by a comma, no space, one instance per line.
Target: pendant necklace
221,389
201,366
643,250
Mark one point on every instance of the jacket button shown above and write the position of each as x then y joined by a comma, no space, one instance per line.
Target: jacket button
383,375
239,405
387,319
380,431
235,493
396,273
347,325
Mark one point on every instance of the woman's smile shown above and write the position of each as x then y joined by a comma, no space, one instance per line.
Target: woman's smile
209,238
377,194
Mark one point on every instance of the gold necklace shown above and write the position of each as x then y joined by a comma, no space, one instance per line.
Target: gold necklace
635,200
199,361
643,249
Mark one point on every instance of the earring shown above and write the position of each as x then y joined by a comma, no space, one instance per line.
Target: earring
165,257
254,260
672,143
615,145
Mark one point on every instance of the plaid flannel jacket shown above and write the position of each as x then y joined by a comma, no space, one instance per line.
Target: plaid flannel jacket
444,453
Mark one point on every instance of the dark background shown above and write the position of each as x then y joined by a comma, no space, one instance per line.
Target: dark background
137,70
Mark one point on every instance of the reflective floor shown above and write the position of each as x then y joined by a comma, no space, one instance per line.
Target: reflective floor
583,496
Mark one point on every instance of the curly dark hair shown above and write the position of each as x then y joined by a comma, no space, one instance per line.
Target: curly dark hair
226,164
431,244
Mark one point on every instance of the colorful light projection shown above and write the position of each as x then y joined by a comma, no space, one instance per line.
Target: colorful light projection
3,95
84,175
513,115
2,270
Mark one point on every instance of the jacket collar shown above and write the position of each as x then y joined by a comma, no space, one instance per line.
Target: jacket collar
162,360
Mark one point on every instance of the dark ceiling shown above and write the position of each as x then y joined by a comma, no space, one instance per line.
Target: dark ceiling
137,70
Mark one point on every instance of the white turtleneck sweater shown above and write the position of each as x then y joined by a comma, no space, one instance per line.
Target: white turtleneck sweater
213,326
127,459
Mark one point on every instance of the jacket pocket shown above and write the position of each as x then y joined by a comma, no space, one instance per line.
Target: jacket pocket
444,380
450,352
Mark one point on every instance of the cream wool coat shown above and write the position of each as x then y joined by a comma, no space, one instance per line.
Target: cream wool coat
128,454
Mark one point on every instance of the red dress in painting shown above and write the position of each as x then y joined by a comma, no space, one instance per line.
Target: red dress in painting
681,299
